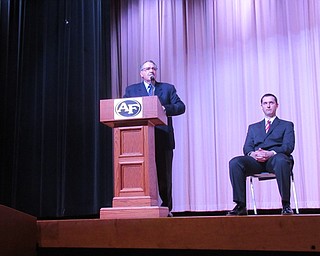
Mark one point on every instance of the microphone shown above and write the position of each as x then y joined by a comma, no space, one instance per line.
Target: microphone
152,79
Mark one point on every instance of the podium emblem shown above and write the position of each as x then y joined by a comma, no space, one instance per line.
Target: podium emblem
128,108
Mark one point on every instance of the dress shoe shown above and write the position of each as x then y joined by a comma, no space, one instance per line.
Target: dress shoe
238,210
286,210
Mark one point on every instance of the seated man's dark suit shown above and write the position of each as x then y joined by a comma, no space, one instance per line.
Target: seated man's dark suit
280,139
164,134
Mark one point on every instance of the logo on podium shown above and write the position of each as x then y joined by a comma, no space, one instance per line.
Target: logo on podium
128,108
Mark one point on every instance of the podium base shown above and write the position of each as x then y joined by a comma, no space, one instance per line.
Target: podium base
134,212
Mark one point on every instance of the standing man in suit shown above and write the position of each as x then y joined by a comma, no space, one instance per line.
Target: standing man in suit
164,135
268,146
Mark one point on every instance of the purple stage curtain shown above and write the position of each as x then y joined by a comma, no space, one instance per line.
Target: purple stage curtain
222,56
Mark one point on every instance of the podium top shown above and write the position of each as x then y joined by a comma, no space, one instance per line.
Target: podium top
132,111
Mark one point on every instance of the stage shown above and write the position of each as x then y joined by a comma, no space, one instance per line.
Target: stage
181,235
188,235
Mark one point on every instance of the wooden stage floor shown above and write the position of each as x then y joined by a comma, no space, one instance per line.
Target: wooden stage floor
204,235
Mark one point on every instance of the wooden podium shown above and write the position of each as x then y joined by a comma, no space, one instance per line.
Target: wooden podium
135,174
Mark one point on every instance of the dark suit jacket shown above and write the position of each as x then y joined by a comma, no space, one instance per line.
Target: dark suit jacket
168,97
280,137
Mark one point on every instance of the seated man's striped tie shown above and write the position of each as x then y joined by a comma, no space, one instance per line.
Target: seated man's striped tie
268,126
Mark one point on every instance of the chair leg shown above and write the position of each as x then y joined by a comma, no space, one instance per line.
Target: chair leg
253,198
294,194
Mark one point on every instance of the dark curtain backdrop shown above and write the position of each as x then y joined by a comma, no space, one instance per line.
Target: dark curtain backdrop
56,158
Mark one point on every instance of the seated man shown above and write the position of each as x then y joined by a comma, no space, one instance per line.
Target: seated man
268,147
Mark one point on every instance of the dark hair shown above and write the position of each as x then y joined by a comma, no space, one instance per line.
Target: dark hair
269,94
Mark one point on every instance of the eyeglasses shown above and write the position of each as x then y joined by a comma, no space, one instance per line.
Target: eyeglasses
149,68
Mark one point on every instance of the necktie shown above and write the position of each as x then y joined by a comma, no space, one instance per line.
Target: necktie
268,126
150,90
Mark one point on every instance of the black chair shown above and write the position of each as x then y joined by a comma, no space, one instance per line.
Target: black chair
263,176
